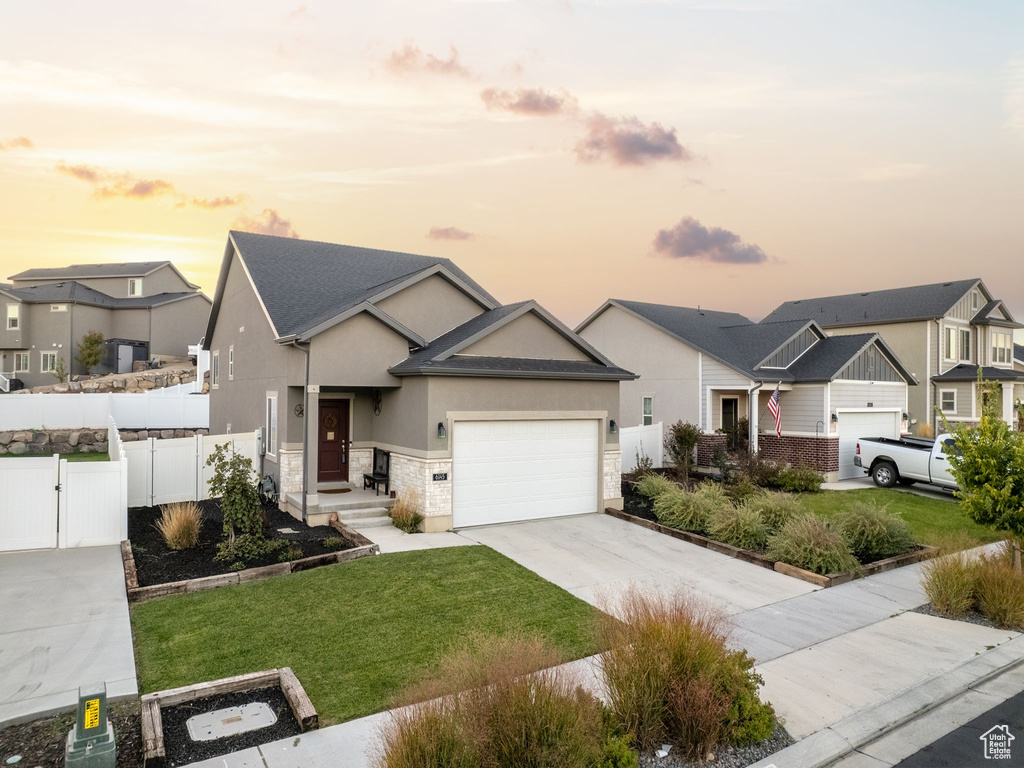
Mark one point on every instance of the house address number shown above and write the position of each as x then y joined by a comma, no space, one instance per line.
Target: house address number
439,476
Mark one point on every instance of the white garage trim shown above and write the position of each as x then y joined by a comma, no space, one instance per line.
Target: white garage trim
848,443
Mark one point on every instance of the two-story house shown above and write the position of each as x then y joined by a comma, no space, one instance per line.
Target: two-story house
943,332
719,370
486,412
143,309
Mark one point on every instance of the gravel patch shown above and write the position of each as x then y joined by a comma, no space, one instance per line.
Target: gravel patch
726,756
971,617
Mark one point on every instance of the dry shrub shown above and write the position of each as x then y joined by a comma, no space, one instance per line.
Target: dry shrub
775,508
926,431
740,527
179,523
671,678
873,532
691,511
809,543
405,512
496,702
999,592
949,581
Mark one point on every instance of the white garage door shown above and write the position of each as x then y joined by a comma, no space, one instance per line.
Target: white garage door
853,426
503,471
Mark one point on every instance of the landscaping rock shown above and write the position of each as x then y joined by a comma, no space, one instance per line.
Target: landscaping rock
101,447
40,437
129,437
22,437
6,437
17,448
85,438
179,433
166,434
60,437
143,434
39,449
62,448
74,386
147,384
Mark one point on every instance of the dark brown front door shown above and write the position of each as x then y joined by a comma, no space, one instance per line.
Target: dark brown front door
332,450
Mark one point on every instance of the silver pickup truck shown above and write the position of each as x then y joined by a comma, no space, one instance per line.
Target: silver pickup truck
907,460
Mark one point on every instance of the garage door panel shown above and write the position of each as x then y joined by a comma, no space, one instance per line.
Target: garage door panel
853,426
504,471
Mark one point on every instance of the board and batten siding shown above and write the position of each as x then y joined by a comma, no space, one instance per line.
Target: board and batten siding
803,409
870,365
792,349
965,309
851,394
720,377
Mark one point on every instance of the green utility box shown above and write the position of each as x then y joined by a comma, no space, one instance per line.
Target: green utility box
90,743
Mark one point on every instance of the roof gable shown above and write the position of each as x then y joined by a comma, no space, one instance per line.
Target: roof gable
107,270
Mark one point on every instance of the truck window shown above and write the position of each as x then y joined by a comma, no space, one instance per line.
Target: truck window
949,446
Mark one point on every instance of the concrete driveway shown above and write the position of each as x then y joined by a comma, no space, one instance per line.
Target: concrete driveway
64,623
598,556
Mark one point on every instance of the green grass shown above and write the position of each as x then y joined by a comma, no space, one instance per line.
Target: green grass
356,633
75,456
931,520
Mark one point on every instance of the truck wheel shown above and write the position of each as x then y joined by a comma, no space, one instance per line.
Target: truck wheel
884,474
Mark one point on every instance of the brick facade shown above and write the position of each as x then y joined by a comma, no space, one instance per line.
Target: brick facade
820,453
709,445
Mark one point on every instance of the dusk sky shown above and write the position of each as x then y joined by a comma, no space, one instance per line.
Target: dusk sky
731,154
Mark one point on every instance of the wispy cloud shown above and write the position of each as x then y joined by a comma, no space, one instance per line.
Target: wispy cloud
449,233
107,184
17,142
628,141
269,222
895,172
410,59
535,102
689,239
1013,97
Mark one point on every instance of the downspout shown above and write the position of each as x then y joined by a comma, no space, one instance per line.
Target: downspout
752,403
305,427
931,382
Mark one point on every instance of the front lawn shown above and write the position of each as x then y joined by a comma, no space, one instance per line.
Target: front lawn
356,633
931,520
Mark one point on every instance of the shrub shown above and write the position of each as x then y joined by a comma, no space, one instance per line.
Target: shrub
643,467
671,678
999,592
949,582
246,548
233,483
680,442
90,350
691,510
739,526
776,509
428,736
405,513
334,542
293,552
807,542
179,524
740,488
872,532
799,479
652,486
762,472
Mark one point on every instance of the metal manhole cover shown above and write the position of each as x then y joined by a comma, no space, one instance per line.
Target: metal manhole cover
230,721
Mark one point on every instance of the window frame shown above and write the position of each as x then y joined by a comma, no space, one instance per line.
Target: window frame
965,358
1002,348
231,363
271,423
14,320
134,287
28,362
942,398
646,419
949,353
42,365
215,369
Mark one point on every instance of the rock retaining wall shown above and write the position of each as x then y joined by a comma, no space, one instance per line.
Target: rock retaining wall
46,442
132,435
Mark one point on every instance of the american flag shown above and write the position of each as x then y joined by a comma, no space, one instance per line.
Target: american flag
776,408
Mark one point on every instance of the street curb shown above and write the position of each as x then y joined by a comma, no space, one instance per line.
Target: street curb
850,734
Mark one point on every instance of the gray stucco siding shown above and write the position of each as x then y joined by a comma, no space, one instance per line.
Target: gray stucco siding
355,353
163,280
430,307
527,337
178,324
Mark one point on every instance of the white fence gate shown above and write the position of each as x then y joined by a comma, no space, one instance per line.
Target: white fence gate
643,440
164,471
48,502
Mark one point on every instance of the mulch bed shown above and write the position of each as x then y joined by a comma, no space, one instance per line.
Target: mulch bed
636,504
725,756
156,564
41,742
181,750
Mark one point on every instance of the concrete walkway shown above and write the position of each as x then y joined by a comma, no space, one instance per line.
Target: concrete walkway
918,489
64,623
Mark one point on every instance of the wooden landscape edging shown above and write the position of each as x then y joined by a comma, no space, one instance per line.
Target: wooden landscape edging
154,752
922,552
136,594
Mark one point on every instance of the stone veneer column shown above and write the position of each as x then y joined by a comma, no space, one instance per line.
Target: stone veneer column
612,479
360,462
410,473
289,467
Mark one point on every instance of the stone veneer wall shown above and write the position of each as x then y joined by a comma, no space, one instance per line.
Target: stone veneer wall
360,462
131,435
289,469
46,442
612,476
409,473
821,453
709,445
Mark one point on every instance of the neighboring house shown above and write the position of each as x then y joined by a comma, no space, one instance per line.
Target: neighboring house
719,369
490,413
943,332
143,309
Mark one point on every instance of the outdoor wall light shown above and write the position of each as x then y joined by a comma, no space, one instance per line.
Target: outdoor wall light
442,433
835,417
612,426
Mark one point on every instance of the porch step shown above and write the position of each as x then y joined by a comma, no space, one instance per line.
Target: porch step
369,522
337,486
342,502
358,515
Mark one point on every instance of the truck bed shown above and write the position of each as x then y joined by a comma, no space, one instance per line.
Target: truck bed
917,443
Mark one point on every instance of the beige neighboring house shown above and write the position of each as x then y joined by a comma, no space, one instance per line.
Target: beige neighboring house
487,413
943,332
143,309
718,370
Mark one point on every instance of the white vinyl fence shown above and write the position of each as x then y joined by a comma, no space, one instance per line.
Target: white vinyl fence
162,471
645,441
48,502
177,407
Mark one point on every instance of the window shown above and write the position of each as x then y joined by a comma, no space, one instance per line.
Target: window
271,434
974,300
13,317
965,345
648,411
215,369
950,343
47,362
1002,347
947,400
135,286
231,363
58,307
22,360
949,447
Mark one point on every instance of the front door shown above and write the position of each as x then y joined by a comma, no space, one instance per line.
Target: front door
730,420
332,450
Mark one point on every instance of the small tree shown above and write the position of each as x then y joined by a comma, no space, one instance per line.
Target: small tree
680,442
988,467
90,350
232,482
60,370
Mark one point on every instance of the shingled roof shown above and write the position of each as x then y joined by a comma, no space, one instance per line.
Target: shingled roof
1018,353
85,271
919,302
74,292
304,283
969,372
